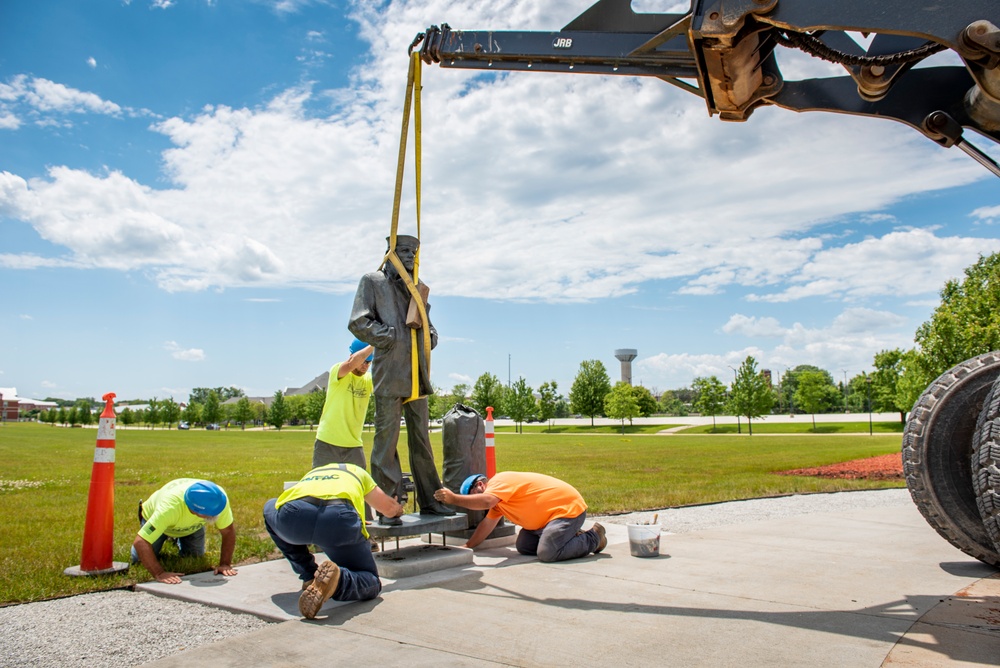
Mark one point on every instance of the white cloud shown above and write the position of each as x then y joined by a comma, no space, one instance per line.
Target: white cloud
753,326
9,121
987,214
92,62
902,263
847,343
461,378
537,187
185,355
25,316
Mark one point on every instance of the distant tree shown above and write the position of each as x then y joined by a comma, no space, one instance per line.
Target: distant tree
520,405
244,413
488,391
590,386
278,413
314,406
751,396
63,415
790,384
171,411
889,392
370,415
620,403
644,398
72,417
670,405
438,403
52,417
965,324
192,413
200,394
459,394
295,409
260,412
816,393
562,408
210,410
548,400
126,417
153,413
913,380
710,396
83,412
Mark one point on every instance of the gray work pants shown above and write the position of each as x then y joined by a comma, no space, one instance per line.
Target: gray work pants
386,469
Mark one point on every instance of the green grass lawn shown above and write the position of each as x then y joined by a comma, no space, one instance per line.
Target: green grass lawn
804,427
46,478
586,429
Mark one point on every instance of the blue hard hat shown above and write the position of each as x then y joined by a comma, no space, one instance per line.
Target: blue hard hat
205,498
357,345
470,481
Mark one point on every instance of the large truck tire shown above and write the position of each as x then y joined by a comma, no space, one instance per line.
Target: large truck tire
986,464
937,454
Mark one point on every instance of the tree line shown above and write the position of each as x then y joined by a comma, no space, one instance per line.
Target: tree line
961,327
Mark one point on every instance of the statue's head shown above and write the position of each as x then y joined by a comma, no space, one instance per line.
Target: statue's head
406,249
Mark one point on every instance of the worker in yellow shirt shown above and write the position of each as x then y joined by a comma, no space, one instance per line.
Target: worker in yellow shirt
325,508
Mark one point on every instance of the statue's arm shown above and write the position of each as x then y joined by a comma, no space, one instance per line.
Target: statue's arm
365,323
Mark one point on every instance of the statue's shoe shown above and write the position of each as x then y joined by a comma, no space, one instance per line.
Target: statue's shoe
436,509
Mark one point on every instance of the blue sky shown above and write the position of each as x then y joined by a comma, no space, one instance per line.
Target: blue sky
190,190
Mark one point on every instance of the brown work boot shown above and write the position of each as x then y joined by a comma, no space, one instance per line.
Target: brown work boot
305,585
602,539
320,590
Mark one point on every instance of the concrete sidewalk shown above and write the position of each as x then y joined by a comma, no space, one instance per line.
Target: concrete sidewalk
862,588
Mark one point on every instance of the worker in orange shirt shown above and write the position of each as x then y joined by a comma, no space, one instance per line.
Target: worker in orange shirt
549,511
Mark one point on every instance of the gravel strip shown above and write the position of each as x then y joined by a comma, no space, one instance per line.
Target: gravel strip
124,628
111,629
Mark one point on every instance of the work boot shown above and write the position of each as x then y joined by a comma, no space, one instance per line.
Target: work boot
305,585
390,521
602,541
375,547
323,586
436,508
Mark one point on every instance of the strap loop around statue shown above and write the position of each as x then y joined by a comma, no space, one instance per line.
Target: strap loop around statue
413,86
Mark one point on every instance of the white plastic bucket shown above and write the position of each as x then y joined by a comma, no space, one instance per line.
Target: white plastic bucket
644,540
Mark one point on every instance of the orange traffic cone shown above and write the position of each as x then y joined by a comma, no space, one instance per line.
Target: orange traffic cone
491,458
99,531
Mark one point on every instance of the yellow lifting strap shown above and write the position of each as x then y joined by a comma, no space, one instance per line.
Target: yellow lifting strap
412,96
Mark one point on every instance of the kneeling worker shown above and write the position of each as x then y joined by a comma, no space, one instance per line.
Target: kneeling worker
179,510
549,511
325,508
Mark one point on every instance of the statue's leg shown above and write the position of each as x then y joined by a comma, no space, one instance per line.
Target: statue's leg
425,475
385,460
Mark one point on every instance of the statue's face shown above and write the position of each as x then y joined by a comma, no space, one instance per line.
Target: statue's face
406,255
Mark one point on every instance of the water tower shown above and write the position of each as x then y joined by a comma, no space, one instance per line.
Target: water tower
625,356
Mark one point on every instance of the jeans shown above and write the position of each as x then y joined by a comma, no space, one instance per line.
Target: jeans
192,545
558,540
336,530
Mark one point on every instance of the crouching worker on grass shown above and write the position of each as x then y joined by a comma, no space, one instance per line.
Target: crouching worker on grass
325,509
179,511
549,511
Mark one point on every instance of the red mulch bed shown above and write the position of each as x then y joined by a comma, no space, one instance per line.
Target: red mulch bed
883,467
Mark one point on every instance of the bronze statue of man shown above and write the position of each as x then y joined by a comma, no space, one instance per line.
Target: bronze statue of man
379,318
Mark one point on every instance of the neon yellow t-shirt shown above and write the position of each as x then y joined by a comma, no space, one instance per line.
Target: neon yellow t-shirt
333,481
344,409
166,513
